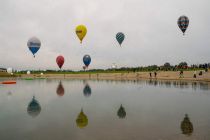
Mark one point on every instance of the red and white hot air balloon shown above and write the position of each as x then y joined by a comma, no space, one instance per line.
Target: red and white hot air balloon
60,61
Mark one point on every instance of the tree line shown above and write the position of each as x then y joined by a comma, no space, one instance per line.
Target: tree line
165,67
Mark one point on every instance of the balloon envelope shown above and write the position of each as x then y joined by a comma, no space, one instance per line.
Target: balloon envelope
186,126
34,108
87,60
60,90
34,45
121,112
120,37
81,31
60,61
183,23
87,90
9,70
82,120
84,67
28,72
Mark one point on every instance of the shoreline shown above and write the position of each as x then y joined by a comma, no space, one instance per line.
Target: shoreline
161,75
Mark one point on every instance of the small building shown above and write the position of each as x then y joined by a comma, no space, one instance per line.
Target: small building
3,70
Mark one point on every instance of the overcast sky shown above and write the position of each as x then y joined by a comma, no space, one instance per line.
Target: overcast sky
150,27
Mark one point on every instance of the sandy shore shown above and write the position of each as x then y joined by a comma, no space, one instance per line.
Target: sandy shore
162,75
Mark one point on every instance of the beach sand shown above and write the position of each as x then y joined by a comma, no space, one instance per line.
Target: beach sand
161,75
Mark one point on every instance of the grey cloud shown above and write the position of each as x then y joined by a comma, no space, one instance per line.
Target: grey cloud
152,35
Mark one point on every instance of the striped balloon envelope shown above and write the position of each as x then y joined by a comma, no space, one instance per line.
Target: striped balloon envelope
120,37
183,23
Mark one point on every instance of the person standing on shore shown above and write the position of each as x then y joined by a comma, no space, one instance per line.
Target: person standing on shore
194,75
181,74
155,73
150,74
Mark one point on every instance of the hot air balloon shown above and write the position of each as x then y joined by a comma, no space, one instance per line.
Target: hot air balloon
86,60
9,70
121,112
183,23
34,108
60,61
84,67
87,90
82,120
120,37
34,45
81,31
114,66
28,72
186,126
60,90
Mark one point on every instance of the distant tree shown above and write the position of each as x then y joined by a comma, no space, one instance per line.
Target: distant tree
183,65
167,66
152,67
205,65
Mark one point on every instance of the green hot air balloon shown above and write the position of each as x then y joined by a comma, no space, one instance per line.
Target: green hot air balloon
121,112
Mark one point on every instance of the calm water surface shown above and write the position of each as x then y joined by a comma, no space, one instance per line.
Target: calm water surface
104,110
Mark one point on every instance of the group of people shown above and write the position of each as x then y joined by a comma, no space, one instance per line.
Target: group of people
181,73
155,74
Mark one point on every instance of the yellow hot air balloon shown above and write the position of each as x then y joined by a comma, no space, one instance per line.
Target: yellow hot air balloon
187,126
82,120
81,31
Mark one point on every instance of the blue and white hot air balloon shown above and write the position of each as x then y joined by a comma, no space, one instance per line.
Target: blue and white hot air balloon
34,45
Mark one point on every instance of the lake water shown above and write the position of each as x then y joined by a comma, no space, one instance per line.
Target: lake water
52,109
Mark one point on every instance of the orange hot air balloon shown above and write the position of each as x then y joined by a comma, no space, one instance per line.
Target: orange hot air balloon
60,61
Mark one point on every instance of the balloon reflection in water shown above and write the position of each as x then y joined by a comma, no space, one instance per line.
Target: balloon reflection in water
121,112
34,108
60,89
82,120
87,90
186,126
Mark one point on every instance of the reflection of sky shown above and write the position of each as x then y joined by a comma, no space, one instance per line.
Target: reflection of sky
150,110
